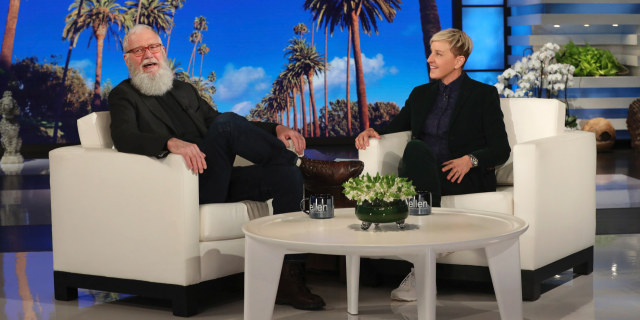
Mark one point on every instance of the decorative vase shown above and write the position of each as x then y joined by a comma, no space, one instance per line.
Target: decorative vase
382,212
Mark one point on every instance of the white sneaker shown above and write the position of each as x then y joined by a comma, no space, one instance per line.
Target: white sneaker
407,289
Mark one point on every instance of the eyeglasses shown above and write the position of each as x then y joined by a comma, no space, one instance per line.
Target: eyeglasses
139,51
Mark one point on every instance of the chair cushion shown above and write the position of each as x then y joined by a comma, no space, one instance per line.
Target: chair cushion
94,130
223,221
499,201
527,119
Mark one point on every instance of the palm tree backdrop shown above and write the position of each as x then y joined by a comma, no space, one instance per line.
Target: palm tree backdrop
291,81
355,13
102,16
7,41
70,33
199,24
193,38
430,21
300,29
202,50
154,13
174,4
295,44
306,59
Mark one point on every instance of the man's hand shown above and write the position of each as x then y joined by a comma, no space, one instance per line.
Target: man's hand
459,167
285,134
190,152
362,140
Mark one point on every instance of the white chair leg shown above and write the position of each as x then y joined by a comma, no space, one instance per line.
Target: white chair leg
504,264
353,283
262,268
425,269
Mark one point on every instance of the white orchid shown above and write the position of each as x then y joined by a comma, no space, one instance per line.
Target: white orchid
509,73
534,72
535,64
558,86
508,93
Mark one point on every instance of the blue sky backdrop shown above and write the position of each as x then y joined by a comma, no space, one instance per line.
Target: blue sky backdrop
247,40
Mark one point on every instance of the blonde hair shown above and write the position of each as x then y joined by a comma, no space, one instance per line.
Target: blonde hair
459,42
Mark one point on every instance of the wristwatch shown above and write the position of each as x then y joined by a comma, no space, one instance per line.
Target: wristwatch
474,160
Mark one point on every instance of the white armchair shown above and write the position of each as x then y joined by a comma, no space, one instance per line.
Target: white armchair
548,181
132,224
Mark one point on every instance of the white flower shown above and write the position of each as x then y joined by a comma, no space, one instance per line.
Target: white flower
525,85
572,69
518,67
509,73
556,47
530,76
553,68
500,78
570,84
535,64
524,61
518,94
534,56
558,86
548,46
550,54
554,77
508,93
500,87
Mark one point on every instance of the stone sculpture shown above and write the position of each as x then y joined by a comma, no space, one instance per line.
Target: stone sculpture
604,130
9,128
633,124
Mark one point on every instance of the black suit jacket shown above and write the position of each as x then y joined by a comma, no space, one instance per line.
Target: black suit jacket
139,124
476,126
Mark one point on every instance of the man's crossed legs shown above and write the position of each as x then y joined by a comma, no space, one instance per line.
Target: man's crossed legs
275,175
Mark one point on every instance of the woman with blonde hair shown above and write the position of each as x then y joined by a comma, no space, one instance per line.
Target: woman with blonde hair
457,131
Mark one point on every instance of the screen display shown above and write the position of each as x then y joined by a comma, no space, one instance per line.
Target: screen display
236,54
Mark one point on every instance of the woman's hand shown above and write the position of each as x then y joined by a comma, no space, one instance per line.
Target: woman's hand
459,167
362,140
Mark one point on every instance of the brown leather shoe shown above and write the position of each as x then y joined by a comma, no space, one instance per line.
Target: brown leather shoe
292,290
319,173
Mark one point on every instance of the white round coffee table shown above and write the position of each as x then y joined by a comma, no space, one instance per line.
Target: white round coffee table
268,239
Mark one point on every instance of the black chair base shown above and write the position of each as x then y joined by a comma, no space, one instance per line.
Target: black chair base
185,299
372,271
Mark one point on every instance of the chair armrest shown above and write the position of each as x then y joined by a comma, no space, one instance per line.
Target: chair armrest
555,192
383,155
113,210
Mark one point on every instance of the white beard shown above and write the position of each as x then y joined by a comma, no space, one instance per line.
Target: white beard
152,84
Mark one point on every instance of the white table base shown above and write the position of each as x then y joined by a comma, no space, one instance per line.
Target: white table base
264,263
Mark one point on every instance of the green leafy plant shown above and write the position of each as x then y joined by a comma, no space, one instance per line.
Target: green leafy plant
589,61
570,121
378,189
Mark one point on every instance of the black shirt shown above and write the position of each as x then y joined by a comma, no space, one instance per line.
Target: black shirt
186,129
435,131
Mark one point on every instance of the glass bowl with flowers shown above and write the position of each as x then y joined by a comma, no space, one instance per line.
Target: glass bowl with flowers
380,199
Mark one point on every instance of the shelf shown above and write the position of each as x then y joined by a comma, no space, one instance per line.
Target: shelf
606,82
570,19
517,3
578,39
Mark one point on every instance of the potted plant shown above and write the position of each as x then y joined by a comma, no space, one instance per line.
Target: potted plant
535,72
380,199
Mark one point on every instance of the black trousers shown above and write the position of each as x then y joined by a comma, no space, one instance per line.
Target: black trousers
274,175
419,165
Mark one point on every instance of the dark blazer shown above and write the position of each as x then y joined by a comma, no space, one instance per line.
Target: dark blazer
476,126
139,124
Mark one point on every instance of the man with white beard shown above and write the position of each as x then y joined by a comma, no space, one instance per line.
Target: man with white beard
153,114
